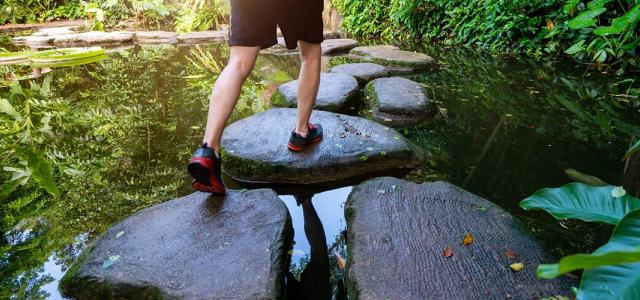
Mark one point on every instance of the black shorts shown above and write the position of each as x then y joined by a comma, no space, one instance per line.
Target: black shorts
253,22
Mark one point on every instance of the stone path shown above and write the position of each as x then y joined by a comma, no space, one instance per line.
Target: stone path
195,247
337,93
363,72
398,233
353,149
393,56
398,102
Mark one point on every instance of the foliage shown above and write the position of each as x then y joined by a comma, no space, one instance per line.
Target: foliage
30,11
601,31
199,15
613,270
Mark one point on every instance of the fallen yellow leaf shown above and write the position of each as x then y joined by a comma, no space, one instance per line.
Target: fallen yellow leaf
517,267
468,239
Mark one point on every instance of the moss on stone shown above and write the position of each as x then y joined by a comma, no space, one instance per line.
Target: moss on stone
243,169
278,100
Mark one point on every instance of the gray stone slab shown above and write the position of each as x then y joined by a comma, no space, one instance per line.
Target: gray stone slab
353,149
397,232
398,102
156,37
94,38
363,72
336,93
392,55
196,247
333,46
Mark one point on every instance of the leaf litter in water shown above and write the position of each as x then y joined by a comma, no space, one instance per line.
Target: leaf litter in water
468,239
447,252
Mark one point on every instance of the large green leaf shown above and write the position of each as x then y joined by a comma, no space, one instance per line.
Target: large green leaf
570,5
586,261
619,281
586,19
634,149
584,202
7,108
618,25
41,172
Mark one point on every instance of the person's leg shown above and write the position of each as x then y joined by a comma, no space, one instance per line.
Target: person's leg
308,83
226,91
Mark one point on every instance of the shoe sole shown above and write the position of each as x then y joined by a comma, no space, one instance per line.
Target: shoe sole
202,178
295,148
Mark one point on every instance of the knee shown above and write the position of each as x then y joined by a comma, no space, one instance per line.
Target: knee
311,56
240,67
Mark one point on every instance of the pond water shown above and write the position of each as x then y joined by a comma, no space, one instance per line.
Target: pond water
122,130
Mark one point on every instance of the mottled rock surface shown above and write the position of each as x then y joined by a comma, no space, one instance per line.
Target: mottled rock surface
353,149
336,93
363,72
392,55
203,37
156,37
55,31
196,247
94,38
398,102
397,232
333,46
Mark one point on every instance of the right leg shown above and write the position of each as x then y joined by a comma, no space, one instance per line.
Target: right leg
226,91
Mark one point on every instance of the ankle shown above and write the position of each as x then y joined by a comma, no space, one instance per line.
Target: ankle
304,132
216,148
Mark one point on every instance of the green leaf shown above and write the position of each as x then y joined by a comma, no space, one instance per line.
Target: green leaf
616,281
618,25
570,5
597,4
586,261
575,48
581,201
585,178
7,108
634,149
41,172
586,19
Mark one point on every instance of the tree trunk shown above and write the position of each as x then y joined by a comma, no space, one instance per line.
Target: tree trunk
631,178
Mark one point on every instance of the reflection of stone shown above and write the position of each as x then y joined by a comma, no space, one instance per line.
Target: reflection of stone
353,148
363,72
202,37
191,248
155,37
336,93
397,232
392,55
398,102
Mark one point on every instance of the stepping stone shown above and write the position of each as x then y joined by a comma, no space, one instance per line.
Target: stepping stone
156,37
353,149
398,231
330,34
333,46
203,37
398,102
94,38
392,55
196,247
363,72
336,93
55,31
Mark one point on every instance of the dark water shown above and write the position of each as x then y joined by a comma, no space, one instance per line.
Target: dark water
124,128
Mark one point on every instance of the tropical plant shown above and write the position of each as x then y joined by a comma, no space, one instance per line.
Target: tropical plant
198,15
613,270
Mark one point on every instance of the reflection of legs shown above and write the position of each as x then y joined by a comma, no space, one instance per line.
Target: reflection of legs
226,91
315,277
308,83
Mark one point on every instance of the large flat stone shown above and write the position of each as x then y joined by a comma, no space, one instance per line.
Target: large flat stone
336,93
363,72
203,37
333,46
397,232
55,31
156,37
94,38
398,102
353,149
196,247
393,56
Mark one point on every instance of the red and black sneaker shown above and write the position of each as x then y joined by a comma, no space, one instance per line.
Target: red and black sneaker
298,142
205,168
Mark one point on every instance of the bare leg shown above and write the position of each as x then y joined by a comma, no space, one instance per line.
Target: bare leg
226,91
308,83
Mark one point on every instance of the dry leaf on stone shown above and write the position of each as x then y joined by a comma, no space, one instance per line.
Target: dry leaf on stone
517,267
447,252
468,239
510,253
